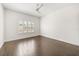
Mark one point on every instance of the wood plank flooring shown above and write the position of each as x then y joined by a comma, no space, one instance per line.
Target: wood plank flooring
38,46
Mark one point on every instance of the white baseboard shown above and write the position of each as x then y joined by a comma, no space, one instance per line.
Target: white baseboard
45,35
19,38
51,37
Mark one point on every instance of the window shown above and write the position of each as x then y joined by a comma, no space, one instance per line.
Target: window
25,26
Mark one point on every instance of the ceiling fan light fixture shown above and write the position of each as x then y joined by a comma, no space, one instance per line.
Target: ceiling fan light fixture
39,6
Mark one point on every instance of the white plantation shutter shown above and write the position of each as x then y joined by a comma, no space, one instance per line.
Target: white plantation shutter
20,27
25,26
32,28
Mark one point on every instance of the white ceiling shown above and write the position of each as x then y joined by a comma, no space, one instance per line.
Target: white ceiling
30,8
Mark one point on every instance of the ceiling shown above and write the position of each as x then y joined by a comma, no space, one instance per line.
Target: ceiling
30,8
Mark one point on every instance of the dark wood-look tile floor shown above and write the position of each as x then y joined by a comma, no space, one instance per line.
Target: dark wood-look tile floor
38,46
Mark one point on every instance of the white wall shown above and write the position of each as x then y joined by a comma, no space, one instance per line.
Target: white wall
1,25
62,25
11,21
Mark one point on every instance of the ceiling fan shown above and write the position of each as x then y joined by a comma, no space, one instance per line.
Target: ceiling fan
38,7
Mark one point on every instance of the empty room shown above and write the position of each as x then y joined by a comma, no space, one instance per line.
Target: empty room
39,29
